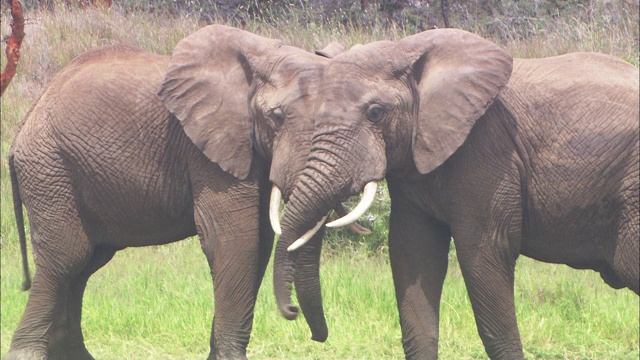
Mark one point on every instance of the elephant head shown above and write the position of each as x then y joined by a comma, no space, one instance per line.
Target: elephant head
383,107
242,98
237,95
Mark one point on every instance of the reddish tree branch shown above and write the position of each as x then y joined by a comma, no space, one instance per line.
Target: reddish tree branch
13,44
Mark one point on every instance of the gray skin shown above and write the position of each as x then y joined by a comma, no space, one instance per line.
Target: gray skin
532,156
126,148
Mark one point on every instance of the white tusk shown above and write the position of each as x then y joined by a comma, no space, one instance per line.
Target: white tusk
359,229
368,195
274,210
354,226
307,236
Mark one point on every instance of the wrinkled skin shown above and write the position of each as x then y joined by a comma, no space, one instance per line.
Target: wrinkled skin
127,148
536,157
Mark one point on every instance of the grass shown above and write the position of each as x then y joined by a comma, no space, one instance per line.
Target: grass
145,305
157,302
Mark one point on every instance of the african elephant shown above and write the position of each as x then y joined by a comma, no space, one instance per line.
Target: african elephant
528,156
126,148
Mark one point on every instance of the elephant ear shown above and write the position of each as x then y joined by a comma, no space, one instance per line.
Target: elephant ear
458,75
207,87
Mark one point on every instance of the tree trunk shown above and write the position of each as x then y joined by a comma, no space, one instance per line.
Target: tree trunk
13,45
444,6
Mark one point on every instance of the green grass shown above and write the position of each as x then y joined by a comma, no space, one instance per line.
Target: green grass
157,302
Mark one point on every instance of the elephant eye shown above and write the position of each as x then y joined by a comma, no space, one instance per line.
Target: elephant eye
375,113
277,115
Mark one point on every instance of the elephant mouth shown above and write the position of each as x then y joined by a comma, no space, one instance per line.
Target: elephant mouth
346,219
339,208
368,195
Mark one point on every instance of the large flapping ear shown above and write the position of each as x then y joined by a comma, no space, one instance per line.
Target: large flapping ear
458,76
207,88
331,50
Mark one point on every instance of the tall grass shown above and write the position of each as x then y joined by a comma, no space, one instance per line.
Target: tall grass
157,303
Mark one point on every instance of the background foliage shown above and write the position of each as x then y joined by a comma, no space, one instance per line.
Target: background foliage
156,303
502,18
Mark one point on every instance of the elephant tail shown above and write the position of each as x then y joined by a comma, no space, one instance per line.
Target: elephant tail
17,210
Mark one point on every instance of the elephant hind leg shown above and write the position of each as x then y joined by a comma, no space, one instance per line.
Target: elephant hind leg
46,322
625,265
488,272
626,255
611,278
71,341
62,252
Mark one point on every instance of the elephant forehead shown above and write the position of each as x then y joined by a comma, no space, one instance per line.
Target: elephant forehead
357,80
346,89
351,93
382,58
289,90
301,78
340,96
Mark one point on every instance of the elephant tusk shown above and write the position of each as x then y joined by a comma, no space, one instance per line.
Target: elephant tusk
307,236
359,229
274,209
355,227
368,195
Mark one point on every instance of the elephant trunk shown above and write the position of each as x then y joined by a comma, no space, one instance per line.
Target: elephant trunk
307,205
308,290
328,178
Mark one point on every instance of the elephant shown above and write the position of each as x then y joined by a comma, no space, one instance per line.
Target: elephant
126,148
505,156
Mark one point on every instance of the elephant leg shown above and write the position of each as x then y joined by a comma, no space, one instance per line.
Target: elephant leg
266,234
71,344
418,251
488,271
62,250
627,252
228,227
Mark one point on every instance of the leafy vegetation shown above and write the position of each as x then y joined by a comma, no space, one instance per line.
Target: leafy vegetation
156,302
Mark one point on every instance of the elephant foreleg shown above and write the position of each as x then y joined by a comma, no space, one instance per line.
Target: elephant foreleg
235,296
266,233
228,227
418,251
